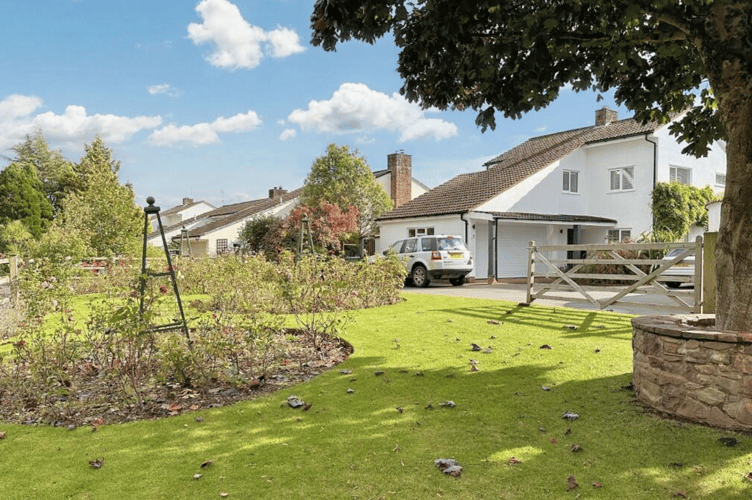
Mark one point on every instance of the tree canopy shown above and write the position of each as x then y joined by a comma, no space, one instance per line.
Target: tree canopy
103,213
688,63
22,199
343,178
55,172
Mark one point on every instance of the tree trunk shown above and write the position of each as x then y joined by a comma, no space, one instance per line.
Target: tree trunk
728,57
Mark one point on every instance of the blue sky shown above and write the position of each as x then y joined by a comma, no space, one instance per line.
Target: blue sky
221,100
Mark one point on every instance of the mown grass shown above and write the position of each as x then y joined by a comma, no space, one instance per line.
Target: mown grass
358,445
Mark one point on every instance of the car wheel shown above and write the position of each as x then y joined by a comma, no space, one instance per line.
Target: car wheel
420,276
457,281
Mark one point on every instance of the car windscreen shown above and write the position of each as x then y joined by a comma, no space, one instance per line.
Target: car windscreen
451,244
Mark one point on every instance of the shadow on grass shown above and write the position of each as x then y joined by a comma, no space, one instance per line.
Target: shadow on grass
361,444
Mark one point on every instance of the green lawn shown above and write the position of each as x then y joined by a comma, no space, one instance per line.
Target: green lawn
358,445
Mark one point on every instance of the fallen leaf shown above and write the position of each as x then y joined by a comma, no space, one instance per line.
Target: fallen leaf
98,463
493,322
400,409
571,483
206,464
378,373
475,347
198,476
514,461
194,407
680,494
307,406
569,415
545,346
568,431
596,484
448,404
2,435
224,495
554,441
576,448
199,419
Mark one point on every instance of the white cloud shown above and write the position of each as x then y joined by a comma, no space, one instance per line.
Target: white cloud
288,134
238,44
201,134
75,125
164,88
356,108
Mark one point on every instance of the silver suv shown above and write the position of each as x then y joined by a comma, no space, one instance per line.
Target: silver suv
434,257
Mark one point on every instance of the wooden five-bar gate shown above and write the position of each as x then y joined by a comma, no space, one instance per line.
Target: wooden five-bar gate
555,269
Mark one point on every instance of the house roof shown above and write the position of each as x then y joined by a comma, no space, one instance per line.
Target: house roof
211,216
179,208
468,191
250,209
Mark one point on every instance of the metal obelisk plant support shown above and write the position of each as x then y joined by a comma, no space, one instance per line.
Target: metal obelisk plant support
146,273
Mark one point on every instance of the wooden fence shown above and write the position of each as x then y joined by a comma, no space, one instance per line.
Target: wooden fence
573,268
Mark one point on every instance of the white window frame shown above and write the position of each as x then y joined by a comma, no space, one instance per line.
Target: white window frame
567,184
414,232
224,244
674,174
624,174
623,234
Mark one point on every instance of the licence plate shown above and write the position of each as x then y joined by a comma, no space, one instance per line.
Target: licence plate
455,255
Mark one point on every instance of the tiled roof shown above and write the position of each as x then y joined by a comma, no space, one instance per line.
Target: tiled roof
213,216
180,208
250,210
468,191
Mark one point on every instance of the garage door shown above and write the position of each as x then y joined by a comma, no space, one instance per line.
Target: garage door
513,242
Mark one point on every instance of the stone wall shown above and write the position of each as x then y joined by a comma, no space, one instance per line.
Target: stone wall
684,368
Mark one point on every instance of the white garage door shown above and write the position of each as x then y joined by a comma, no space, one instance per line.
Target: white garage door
513,243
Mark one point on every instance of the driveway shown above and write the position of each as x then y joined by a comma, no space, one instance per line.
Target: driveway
637,304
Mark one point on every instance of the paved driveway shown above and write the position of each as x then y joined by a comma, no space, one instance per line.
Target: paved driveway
637,304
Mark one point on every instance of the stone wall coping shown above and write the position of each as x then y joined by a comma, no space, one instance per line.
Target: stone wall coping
689,326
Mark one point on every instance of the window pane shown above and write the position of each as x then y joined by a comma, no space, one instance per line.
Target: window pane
429,231
615,180
573,182
565,185
411,232
425,244
411,245
613,235
625,234
627,181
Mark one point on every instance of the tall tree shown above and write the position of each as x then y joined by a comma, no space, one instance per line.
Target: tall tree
54,171
22,199
343,178
662,57
104,213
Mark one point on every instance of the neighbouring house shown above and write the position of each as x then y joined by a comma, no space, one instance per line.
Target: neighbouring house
219,235
187,211
216,231
587,185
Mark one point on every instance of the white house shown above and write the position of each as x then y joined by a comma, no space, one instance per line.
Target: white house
187,211
587,185
218,235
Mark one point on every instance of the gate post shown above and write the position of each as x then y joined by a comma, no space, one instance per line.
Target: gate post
530,272
697,308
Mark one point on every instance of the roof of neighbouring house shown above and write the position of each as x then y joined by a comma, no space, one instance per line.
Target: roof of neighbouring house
252,208
180,208
468,191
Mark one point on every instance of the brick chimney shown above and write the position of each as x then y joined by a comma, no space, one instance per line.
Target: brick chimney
401,172
604,116
276,192
187,201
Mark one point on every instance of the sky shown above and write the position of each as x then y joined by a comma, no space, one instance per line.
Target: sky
222,100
